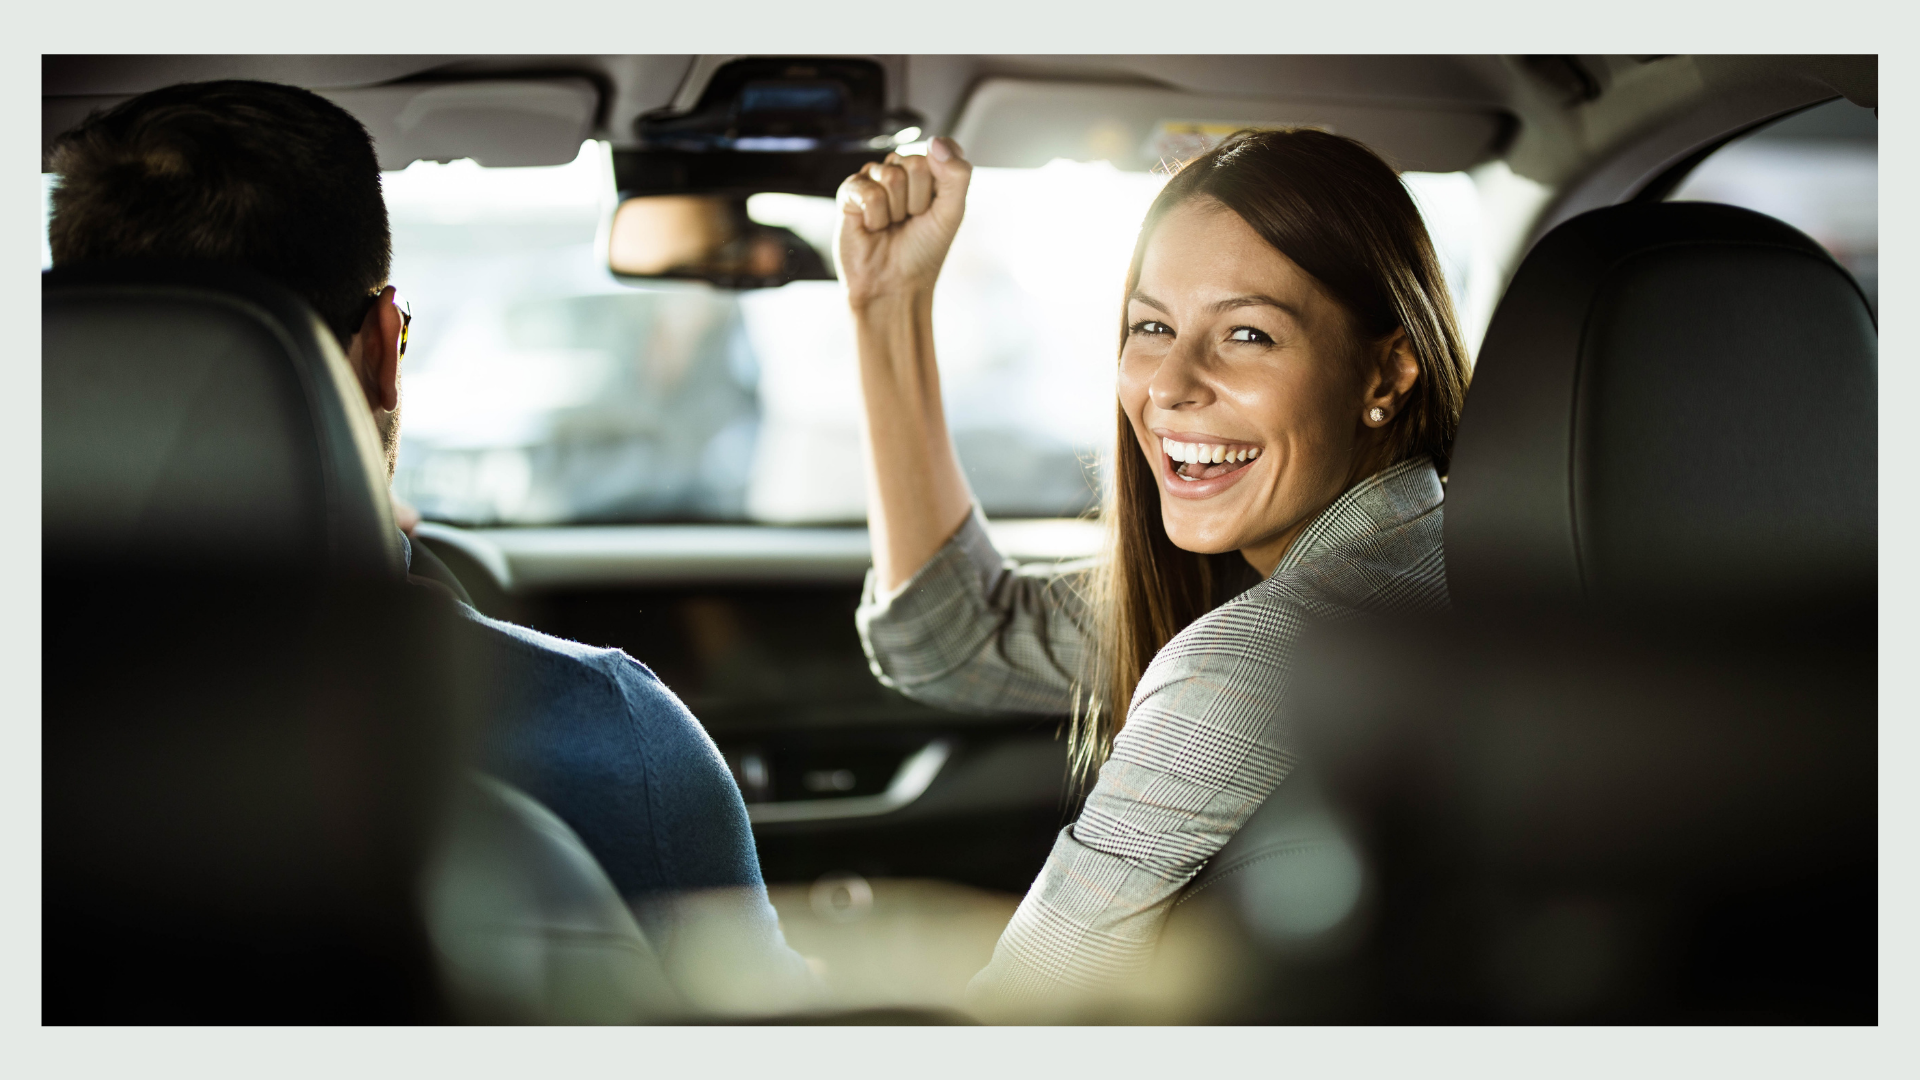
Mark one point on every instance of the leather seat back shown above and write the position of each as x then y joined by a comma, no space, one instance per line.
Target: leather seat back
200,415
1675,403
253,726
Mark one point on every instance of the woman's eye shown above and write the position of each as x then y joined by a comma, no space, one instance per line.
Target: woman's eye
1249,334
1149,326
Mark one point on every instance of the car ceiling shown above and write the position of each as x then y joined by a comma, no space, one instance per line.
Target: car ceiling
1591,127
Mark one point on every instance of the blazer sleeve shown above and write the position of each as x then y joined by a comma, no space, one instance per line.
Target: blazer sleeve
977,632
1204,744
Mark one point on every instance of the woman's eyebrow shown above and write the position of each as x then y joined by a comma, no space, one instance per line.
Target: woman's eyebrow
1255,300
1250,300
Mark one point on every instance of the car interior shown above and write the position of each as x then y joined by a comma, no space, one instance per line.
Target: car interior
1644,790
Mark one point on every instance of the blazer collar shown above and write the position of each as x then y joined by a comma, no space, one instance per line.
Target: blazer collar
1393,496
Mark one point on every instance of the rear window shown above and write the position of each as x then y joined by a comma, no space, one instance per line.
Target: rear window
1817,170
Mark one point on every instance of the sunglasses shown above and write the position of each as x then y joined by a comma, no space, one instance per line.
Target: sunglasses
406,316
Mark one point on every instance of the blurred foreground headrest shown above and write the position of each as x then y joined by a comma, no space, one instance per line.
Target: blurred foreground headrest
1674,402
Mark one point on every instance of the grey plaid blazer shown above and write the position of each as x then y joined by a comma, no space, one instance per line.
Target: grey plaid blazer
1207,735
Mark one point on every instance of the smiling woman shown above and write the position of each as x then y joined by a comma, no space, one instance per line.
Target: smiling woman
1318,331
1267,358
1289,381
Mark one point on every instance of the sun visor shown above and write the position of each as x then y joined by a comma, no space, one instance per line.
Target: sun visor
493,121
1022,123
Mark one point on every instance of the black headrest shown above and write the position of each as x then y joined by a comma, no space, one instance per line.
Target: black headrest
1675,404
199,415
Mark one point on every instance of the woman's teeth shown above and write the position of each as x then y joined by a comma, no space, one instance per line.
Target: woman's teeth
1208,453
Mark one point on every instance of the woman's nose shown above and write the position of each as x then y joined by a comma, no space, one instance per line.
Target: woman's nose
1179,379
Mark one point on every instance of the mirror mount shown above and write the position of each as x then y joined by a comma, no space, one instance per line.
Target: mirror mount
782,105
794,126
640,173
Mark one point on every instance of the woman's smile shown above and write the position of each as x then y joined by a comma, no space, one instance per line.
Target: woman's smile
1197,466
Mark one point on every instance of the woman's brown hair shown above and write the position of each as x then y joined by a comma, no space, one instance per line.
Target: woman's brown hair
1342,215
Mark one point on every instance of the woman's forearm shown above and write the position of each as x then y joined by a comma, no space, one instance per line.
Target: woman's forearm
917,497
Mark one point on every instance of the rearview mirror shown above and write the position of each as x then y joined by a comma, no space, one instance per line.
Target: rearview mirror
708,238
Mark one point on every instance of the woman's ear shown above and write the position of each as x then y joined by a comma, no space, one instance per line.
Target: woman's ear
1390,378
375,353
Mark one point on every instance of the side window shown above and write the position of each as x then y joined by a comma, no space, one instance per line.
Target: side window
1817,170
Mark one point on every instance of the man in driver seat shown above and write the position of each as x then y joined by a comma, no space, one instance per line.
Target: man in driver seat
284,183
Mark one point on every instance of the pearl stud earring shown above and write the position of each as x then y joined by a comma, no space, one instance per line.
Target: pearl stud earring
1377,414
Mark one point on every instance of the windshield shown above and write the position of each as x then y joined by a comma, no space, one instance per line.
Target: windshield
545,391
540,390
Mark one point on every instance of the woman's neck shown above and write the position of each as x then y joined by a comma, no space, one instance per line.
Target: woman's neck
1266,555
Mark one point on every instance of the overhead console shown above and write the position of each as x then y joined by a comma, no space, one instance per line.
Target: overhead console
797,125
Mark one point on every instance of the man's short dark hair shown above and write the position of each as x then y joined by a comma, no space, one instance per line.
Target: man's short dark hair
270,177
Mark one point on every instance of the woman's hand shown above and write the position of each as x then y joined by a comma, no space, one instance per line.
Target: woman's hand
898,218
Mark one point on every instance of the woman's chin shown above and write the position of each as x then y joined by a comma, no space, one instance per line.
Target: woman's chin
1200,539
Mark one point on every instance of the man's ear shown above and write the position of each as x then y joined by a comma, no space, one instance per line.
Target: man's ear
1392,375
375,353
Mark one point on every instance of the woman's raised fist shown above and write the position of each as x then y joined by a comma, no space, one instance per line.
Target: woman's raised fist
898,218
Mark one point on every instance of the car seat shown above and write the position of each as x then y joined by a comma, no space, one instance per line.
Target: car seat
1632,775
254,731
